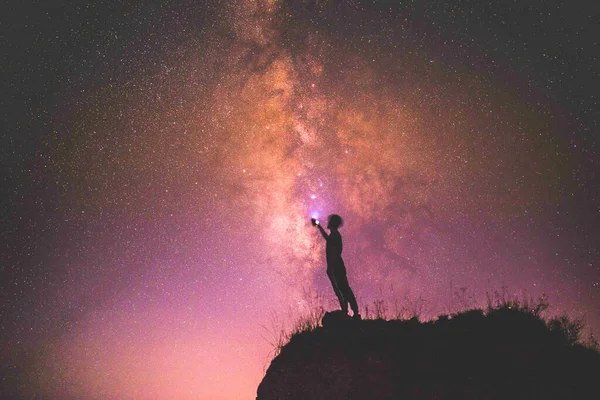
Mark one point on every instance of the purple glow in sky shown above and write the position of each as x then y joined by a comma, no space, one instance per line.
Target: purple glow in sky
163,163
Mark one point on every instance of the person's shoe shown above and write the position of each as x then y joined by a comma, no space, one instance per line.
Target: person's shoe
357,317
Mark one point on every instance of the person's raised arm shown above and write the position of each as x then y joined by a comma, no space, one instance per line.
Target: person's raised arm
325,235
316,223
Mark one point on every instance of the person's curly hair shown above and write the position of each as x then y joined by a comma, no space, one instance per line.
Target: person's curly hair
334,221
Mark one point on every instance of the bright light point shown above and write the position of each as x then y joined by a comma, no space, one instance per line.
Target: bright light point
244,170
313,196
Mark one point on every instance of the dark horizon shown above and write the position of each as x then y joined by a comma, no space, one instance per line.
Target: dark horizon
505,351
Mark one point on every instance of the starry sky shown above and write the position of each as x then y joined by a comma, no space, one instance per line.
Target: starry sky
161,162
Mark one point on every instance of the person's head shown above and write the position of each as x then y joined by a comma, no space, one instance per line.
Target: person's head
334,221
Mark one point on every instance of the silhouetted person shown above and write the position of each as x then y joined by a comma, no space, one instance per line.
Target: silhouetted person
336,270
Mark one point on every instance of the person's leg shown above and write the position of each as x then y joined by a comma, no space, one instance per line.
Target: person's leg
348,295
338,292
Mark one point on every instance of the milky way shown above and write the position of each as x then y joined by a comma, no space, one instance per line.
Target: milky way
159,209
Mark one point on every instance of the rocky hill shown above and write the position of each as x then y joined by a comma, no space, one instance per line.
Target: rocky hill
502,354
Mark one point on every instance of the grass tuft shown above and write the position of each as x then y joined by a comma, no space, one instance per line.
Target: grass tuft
525,312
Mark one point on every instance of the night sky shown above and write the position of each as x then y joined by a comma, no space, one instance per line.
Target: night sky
161,163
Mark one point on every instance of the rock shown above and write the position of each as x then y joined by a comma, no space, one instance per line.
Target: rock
335,319
469,356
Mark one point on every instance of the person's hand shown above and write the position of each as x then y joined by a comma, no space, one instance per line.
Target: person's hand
314,222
